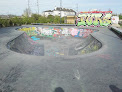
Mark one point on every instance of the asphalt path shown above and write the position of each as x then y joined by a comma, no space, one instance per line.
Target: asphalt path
99,71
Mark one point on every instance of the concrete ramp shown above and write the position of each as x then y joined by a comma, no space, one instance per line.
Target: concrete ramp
64,44
87,45
24,44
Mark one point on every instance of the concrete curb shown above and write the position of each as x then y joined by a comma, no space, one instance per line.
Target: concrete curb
117,31
49,24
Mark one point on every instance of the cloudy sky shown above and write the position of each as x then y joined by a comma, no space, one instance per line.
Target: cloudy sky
17,7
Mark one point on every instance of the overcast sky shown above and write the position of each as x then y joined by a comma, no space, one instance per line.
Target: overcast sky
17,7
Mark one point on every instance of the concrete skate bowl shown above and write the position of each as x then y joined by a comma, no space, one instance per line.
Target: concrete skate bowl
55,41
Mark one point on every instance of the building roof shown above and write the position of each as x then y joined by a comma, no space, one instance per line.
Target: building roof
48,11
60,9
63,9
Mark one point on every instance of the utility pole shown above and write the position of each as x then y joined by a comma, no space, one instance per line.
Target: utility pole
60,9
38,6
28,8
77,8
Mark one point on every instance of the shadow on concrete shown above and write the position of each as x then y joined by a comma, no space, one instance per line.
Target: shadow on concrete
115,89
59,89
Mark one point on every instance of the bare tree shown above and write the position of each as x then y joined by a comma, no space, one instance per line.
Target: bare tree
27,12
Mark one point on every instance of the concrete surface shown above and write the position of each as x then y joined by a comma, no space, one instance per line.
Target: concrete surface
55,46
99,71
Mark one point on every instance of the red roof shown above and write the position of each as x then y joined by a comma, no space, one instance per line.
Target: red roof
97,12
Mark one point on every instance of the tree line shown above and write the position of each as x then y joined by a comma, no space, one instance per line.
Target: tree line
35,18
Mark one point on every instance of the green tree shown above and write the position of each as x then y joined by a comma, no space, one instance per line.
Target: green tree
35,17
16,21
4,23
0,22
120,16
57,19
50,18
42,19
62,20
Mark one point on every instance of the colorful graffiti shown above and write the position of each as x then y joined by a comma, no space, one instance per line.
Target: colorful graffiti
65,42
36,32
94,18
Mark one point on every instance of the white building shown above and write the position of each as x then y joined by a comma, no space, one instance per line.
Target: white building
56,12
